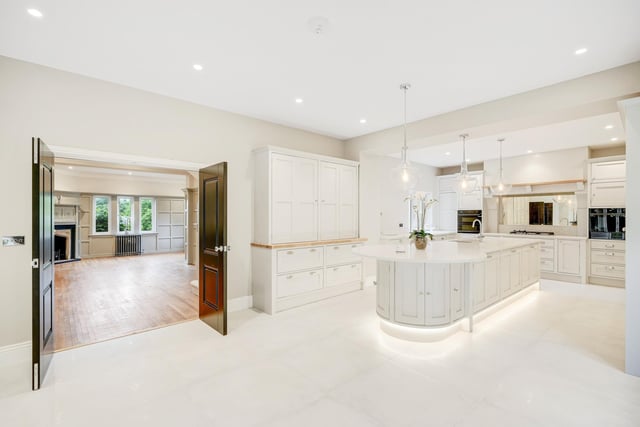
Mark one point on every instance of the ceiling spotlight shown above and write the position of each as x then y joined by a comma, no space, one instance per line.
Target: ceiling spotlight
581,51
529,151
614,139
607,127
448,153
197,67
468,160
35,13
299,100
363,121
129,173
70,167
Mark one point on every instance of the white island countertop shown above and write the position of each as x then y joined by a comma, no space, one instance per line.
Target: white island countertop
446,251
536,236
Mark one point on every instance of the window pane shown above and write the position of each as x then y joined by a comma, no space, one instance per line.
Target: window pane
124,214
102,214
146,214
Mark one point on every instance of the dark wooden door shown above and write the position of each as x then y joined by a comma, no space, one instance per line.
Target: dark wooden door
213,247
42,263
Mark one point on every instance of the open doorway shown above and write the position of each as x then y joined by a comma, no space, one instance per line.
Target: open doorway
124,251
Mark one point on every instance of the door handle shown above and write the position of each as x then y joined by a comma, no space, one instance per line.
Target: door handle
222,248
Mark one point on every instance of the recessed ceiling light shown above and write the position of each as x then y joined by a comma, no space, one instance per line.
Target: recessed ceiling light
608,127
614,139
363,121
581,51
35,13
197,67
468,160
70,167
129,173
448,153
529,151
299,100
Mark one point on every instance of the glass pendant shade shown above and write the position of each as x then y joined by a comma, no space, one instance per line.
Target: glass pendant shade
404,175
467,183
501,188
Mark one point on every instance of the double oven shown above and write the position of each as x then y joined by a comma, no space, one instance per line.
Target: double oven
467,221
607,223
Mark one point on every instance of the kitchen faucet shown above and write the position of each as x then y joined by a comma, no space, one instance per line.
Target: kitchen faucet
473,224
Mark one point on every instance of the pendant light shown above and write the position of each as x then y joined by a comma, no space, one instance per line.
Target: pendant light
405,175
466,182
501,188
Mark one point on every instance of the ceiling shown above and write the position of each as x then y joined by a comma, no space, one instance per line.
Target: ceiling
595,131
259,56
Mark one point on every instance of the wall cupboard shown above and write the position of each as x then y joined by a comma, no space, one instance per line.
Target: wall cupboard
607,183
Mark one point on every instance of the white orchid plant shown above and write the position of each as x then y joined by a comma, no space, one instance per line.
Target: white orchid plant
420,204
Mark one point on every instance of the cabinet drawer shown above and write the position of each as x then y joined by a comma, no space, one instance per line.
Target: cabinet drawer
297,283
343,274
547,264
617,245
546,252
607,257
548,243
341,254
604,171
613,271
299,259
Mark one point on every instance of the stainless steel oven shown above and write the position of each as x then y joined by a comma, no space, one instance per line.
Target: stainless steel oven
469,221
607,223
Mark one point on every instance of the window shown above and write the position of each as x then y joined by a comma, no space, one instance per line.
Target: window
125,214
147,214
101,214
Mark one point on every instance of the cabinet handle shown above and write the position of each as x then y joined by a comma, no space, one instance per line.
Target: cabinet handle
312,273
335,248
610,253
353,265
420,293
354,246
513,251
289,252
335,269
289,277
312,250
455,289
428,293
610,267
489,256
609,246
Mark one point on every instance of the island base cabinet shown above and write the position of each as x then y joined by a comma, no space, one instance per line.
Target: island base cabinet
384,284
456,283
409,287
437,295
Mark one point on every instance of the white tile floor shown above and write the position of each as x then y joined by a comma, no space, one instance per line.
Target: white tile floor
553,358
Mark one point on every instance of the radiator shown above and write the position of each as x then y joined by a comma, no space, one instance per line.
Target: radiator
129,244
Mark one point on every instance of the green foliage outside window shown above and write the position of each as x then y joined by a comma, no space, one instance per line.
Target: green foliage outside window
146,214
102,214
124,214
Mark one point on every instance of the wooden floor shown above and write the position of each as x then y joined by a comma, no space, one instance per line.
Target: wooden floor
103,298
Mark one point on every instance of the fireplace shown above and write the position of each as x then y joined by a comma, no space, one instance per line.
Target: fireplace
64,242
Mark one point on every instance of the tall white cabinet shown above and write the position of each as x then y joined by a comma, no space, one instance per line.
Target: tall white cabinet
305,226
301,197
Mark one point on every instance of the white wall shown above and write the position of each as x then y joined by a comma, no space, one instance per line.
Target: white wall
118,185
632,279
74,111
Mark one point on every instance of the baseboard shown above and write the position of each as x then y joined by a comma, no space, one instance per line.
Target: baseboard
240,303
13,354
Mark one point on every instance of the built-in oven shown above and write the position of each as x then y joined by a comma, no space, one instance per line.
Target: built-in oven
607,223
469,221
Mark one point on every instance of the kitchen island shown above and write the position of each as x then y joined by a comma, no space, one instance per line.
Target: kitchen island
429,294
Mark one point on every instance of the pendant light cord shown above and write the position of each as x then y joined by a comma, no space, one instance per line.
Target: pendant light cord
405,87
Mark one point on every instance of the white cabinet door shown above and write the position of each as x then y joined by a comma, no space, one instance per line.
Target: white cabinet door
384,284
533,264
448,211
294,191
609,171
437,294
478,286
328,188
348,202
569,256
608,194
492,278
409,293
514,269
456,286
447,184
524,266
470,201
505,274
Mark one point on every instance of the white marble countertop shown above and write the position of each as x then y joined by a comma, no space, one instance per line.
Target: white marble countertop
446,251
535,236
